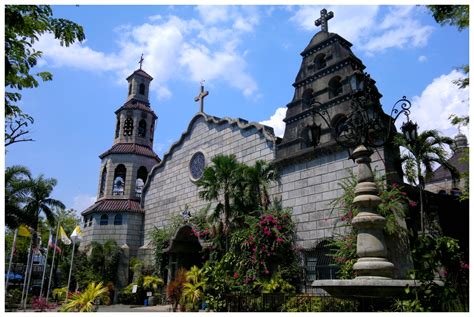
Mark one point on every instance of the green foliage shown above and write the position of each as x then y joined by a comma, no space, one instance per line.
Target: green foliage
422,154
238,189
392,207
24,25
194,287
17,187
60,293
456,15
437,257
319,304
151,283
88,299
276,284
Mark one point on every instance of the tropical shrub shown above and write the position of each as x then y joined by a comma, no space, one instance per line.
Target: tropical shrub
41,304
88,299
437,258
305,303
174,289
194,287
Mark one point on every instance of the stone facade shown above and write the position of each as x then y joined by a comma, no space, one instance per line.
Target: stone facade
170,186
129,232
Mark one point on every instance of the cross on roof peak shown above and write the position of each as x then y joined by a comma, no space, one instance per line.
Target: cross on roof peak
202,94
323,20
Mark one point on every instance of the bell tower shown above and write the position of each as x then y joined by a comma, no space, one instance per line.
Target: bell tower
124,170
323,82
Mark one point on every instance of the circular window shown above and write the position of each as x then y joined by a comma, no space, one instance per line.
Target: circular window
197,165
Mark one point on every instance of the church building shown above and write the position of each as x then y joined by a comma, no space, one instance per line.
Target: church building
138,191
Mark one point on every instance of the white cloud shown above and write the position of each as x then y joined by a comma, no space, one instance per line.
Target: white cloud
367,28
438,101
82,201
276,121
422,58
173,48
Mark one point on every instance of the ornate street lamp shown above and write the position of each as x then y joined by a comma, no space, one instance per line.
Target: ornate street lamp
365,127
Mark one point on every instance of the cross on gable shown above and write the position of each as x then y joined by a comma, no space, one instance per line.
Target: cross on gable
323,20
141,61
201,96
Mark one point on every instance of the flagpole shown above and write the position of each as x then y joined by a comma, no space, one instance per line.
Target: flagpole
70,268
26,271
45,262
38,236
52,264
11,259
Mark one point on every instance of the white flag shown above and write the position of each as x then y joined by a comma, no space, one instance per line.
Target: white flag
76,235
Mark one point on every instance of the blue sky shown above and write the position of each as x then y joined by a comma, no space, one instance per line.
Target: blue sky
249,57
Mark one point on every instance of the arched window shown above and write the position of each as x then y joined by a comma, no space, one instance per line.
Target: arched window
142,128
335,87
142,175
103,179
104,220
320,61
307,98
118,220
142,89
319,263
129,89
117,127
128,127
119,180
152,130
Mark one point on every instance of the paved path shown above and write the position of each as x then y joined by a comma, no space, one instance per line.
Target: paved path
132,308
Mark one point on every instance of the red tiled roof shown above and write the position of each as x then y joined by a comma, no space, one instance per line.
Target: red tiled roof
113,205
134,104
130,148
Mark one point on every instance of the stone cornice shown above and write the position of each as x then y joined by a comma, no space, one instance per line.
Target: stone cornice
350,60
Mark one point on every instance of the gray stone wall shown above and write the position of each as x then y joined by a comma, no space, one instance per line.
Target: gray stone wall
129,232
308,187
170,188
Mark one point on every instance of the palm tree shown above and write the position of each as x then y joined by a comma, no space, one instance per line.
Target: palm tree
420,158
257,178
219,180
17,187
39,201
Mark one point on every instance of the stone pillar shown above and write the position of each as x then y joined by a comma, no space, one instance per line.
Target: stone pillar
123,268
371,248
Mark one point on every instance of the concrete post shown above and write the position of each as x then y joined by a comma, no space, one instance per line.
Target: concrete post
371,248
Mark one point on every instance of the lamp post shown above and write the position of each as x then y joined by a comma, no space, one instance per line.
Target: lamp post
364,127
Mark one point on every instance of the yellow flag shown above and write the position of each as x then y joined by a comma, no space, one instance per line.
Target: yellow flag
64,237
24,231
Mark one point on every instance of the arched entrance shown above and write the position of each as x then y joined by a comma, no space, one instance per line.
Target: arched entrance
184,251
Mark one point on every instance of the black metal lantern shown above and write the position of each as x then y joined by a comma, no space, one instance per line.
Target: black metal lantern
410,131
357,81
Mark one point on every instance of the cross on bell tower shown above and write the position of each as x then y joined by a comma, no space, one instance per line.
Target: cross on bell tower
323,20
201,96
141,61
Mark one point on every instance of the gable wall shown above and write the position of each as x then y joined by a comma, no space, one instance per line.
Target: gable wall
170,187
